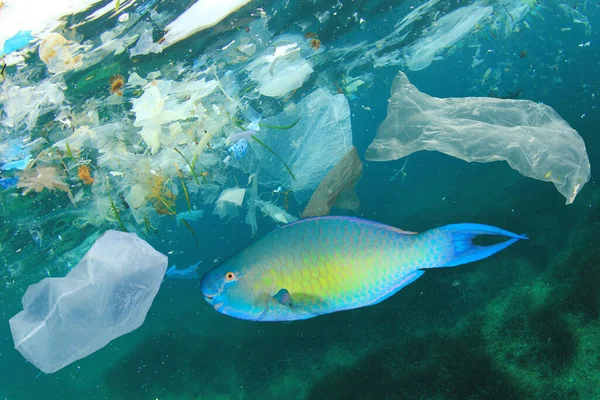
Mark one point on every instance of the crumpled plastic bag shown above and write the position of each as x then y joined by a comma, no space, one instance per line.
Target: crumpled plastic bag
320,138
341,179
106,295
531,137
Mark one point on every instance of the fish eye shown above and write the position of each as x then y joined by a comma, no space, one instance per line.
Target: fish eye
230,276
210,297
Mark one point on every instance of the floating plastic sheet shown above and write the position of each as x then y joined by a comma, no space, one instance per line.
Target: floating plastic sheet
320,138
192,216
26,104
145,44
106,295
230,202
276,213
531,137
202,15
190,272
280,69
341,178
59,54
448,30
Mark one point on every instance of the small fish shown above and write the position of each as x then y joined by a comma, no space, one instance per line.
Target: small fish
326,264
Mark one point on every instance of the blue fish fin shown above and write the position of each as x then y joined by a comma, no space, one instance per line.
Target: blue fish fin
405,281
283,297
464,249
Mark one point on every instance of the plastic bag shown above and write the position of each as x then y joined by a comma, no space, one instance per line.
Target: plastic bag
531,137
341,178
319,139
106,295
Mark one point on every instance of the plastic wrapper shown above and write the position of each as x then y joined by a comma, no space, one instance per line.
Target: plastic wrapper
106,295
319,139
342,178
531,137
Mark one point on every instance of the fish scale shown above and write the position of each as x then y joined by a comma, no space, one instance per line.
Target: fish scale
327,264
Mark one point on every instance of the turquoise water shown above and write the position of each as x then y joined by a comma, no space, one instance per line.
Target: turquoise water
521,325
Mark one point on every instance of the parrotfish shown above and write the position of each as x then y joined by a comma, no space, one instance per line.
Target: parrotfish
323,265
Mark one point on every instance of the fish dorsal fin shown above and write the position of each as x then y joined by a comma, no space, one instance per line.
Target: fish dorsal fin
392,228
283,297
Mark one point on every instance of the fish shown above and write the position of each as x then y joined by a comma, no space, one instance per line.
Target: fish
322,265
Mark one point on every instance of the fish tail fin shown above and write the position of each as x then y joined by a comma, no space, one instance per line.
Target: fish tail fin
464,251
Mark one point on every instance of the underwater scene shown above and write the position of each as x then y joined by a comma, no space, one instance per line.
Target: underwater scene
312,199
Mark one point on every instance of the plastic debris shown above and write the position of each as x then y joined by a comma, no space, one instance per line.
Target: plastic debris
190,272
19,164
26,104
44,177
237,150
531,137
280,69
17,42
191,216
448,30
59,54
320,138
7,183
342,178
145,44
229,203
276,213
251,215
202,15
106,295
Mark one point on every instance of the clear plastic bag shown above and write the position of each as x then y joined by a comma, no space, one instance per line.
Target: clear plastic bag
531,137
106,295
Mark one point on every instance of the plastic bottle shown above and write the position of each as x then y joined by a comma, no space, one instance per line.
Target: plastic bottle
237,150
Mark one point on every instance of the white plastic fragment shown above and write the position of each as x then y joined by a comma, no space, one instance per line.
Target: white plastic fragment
276,213
531,137
106,295
280,69
202,15
229,203
145,44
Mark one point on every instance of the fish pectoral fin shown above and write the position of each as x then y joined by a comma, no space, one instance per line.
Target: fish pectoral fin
283,297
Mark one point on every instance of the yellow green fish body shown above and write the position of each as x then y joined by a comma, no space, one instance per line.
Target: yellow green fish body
323,265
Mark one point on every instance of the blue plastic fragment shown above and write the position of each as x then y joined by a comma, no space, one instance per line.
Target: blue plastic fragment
7,183
188,273
19,164
17,42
